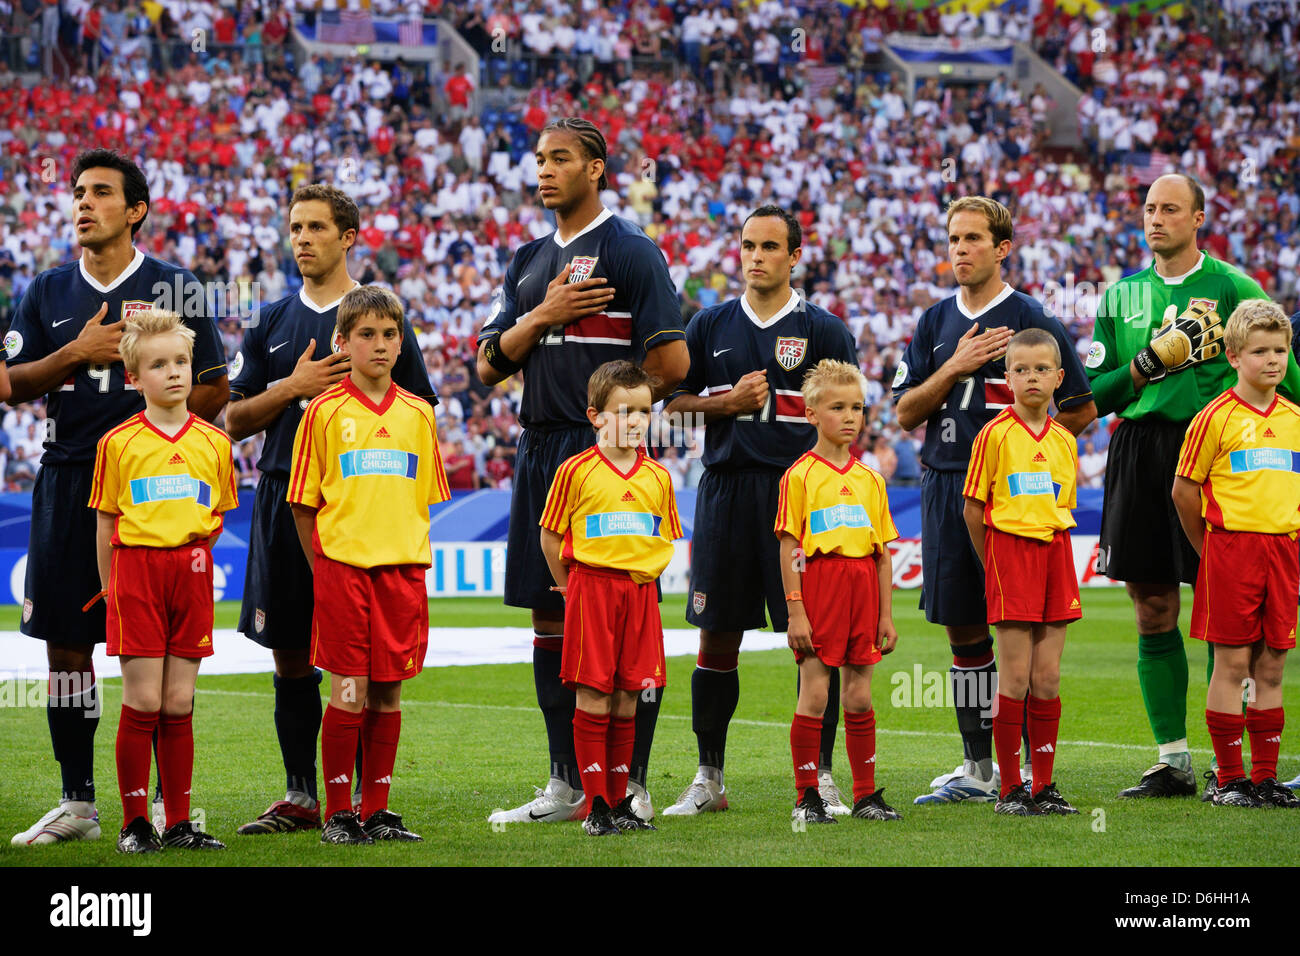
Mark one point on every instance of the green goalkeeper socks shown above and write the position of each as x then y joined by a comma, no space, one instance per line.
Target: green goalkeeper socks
1162,674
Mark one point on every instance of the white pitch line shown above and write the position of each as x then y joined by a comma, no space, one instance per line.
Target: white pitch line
735,720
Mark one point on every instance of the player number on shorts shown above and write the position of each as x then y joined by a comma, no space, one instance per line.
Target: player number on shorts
763,416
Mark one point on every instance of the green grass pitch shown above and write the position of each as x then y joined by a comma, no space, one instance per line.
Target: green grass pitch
472,741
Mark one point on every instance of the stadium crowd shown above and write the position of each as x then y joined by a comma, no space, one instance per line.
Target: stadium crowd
719,112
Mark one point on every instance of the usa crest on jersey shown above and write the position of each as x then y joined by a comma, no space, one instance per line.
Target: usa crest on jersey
132,306
790,352
580,267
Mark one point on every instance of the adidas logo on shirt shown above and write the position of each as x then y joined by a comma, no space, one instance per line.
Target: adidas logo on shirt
845,490
628,496
1045,749
1074,604
1039,457
382,433
176,459
1268,433
410,662
341,778
387,780
206,642
594,768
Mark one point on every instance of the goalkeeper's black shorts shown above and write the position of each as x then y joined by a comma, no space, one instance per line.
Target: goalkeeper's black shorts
1141,538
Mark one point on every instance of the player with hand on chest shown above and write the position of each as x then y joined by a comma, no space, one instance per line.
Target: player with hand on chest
594,291
748,359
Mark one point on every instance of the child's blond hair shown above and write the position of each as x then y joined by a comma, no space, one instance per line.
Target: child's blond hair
827,374
145,325
1254,315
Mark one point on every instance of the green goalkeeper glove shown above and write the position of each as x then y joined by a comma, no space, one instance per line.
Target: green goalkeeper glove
1179,343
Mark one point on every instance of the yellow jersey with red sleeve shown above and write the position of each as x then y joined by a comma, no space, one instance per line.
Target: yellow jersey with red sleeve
372,471
166,491
1026,480
832,510
1247,463
613,520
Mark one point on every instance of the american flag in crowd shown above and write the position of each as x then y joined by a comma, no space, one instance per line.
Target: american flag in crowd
411,32
347,26
1150,166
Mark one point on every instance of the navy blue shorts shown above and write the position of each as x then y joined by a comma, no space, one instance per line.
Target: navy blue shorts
952,592
735,554
540,454
277,606
62,573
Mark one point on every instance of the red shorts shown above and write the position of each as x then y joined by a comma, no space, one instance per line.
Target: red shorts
369,622
1246,589
613,636
1030,580
160,602
841,597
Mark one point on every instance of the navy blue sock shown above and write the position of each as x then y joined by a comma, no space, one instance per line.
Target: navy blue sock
557,703
647,715
714,695
297,724
974,684
72,710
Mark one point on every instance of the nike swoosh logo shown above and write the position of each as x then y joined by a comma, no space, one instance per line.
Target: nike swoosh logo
719,352
517,285
937,347
55,325
540,816
701,805
274,347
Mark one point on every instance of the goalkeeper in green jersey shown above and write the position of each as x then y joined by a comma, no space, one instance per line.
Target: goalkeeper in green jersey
1156,360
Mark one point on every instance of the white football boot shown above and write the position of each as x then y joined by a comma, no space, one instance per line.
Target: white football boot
831,794
65,822
558,803
706,794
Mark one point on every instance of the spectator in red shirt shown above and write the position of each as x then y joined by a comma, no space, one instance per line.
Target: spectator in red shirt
458,90
460,468
499,468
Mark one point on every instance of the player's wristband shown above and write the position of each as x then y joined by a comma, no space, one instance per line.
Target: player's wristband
794,596
1149,364
497,358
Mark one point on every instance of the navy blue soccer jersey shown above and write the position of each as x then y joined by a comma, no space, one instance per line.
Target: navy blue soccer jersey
727,341
96,398
974,401
271,349
644,314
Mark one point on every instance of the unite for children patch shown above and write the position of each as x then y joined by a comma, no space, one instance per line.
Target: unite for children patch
622,522
1263,459
1031,483
839,516
378,461
170,488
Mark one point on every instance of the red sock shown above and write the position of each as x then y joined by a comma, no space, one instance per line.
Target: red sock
134,746
590,745
379,733
860,740
1007,723
1044,722
176,764
339,732
622,734
805,743
1225,732
1265,728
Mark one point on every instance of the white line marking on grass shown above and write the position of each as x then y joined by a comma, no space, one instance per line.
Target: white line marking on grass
461,705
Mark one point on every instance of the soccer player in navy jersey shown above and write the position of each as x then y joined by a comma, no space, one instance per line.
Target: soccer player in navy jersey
953,379
595,290
748,358
63,344
287,358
